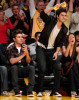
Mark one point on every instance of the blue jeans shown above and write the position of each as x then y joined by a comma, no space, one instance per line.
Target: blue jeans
4,78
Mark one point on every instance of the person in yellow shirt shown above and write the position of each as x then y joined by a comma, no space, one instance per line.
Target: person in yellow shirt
36,22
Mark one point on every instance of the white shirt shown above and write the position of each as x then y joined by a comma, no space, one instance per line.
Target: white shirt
74,23
52,38
19,49
32,48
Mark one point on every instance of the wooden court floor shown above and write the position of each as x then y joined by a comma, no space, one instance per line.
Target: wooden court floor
38,98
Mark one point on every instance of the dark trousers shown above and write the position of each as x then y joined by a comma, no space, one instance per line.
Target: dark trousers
28,71
3,59
44,61
4,80
74,77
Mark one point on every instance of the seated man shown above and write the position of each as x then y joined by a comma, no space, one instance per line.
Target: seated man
32,48
19,59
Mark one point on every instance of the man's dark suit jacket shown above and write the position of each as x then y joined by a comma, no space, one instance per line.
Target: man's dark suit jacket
50,23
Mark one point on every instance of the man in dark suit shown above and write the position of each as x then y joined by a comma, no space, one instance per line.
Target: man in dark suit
49,45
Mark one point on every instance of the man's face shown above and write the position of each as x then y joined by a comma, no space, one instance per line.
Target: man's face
26,4
15,10
18,39
40,7
37,38
12,2
62,17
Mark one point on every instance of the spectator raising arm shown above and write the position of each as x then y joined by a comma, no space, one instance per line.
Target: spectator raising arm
32,8
52,8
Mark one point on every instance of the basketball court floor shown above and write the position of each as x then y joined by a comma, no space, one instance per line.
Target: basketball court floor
38,98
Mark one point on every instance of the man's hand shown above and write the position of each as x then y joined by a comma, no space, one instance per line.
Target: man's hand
57,6
55,56
6,17
18,17
22,17
24,48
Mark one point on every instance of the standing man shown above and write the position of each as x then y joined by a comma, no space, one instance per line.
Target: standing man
19,59
50,42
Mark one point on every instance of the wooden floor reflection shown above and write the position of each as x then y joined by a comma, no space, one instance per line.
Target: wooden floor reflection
37,98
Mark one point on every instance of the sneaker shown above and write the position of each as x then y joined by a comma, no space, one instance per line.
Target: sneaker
39,94
18,94
30,95
73,94
57,94
77,96
5,93
51,93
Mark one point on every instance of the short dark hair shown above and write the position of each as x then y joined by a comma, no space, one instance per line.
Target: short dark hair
60,10
76,33
15,5
14,33
39,1
37,33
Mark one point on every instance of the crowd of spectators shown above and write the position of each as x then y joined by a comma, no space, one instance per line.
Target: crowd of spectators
34,33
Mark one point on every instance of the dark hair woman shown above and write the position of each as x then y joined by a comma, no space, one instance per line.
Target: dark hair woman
69,66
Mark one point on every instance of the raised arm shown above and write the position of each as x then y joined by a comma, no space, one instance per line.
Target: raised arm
58,1
71,5
52,8
32,8
50,4
9,24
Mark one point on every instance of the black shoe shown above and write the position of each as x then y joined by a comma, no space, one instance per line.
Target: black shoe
51,94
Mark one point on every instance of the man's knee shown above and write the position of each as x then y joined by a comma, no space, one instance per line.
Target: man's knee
32,68
3,68
58,66
14,68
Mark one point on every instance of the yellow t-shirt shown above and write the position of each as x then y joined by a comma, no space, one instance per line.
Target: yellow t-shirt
38,24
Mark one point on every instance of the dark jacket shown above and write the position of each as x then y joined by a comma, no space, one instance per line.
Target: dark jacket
50,23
